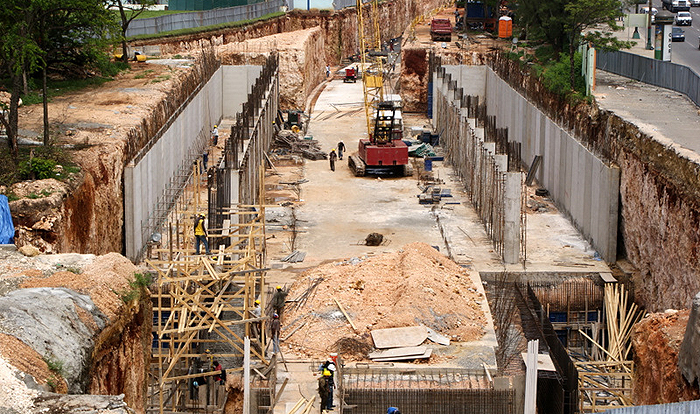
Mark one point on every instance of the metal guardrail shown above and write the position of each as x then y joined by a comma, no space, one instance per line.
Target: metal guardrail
668,75
189,20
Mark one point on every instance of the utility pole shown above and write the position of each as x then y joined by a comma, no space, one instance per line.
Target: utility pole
649,45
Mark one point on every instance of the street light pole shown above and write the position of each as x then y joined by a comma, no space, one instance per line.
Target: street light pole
649,14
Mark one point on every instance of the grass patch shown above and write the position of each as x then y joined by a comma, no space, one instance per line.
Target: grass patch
213,27
147,14
161,78
54,365
143,74
136,287
44,164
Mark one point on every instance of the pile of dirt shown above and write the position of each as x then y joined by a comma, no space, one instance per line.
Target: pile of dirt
415,285
657,340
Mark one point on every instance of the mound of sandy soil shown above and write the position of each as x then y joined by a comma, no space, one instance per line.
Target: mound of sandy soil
415,285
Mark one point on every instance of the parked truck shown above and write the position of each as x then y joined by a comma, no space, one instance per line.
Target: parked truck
676,5
441,30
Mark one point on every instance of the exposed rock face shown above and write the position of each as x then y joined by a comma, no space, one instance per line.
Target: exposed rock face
70,404
656,340
689,356
66,319
661,229
72,318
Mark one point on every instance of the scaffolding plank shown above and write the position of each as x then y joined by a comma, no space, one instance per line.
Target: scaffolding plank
399,352
399,337
426,354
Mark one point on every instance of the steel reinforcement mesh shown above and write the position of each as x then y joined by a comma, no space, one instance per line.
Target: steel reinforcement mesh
430,401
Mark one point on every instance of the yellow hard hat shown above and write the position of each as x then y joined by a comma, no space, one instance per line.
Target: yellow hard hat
257,301
215,126
278,287
326,373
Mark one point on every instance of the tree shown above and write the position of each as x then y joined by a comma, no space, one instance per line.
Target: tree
69,30
544,19
127,15
19,54
582,15
32,32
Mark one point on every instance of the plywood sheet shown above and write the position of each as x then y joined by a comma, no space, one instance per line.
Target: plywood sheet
427,354
399,337
544,362
437,338
399,352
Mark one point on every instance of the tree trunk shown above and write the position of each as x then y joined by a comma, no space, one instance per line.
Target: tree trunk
47,135
13,117
25,86
571,63
125,57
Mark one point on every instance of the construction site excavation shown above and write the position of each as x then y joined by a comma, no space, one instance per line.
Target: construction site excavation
352,211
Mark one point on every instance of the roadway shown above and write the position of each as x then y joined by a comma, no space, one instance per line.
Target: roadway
684,53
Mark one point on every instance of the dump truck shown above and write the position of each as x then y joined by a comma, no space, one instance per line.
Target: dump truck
441,30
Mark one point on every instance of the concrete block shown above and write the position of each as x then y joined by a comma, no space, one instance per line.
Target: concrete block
511,233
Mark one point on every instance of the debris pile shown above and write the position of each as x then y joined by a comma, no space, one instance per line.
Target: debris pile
338,305
288,142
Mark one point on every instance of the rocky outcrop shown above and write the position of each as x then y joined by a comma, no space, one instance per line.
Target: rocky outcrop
77,323
656,340
689,355
75,404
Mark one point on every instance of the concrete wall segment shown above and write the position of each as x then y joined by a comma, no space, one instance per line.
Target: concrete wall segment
563,168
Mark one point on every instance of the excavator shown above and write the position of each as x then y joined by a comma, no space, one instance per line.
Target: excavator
383,152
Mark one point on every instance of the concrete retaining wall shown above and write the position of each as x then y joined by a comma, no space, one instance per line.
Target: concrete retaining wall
146,179
583,186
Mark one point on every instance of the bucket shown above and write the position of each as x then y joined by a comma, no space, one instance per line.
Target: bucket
428,164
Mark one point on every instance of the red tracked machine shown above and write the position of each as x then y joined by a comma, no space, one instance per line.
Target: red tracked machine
384,152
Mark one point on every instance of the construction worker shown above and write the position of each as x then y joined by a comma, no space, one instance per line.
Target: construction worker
341,148
256,312
323,390
221,378
200,234
332,157
279,299
393,410
215,135
275,333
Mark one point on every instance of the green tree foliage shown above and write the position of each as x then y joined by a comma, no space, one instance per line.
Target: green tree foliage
582,15
565,24
37,33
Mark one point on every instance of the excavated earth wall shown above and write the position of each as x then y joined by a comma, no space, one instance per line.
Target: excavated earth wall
657,341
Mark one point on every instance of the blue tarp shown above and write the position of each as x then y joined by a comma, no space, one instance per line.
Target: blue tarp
7,229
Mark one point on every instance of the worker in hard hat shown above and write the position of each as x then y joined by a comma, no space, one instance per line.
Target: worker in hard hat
255,313
275,333
393,410
215,135
278,300
332,157
324,390
329,366
200,234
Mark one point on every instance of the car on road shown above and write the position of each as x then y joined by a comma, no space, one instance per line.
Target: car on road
677,34
683,18
645,10
695,3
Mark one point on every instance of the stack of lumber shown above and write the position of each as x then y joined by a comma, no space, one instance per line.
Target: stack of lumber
307,148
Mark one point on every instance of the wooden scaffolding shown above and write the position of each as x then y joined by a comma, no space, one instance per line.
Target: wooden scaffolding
203,308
